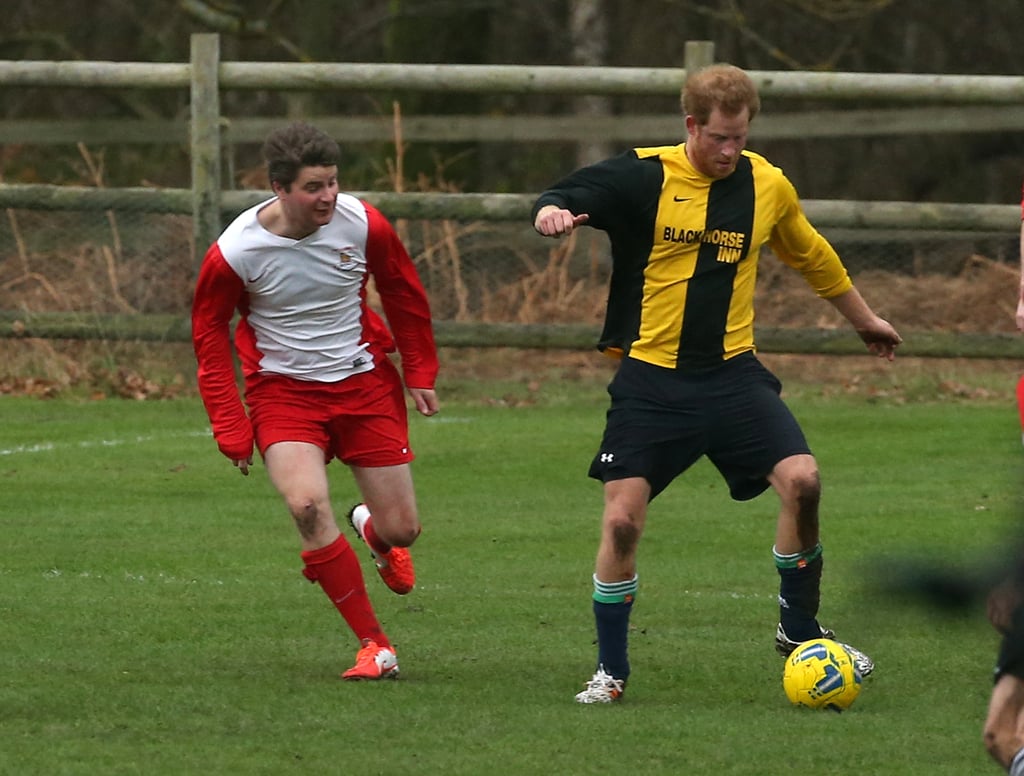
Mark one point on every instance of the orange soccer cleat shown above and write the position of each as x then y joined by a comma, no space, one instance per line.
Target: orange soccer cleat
395,567
373,662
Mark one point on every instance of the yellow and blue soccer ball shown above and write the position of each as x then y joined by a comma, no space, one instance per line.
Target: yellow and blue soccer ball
819,674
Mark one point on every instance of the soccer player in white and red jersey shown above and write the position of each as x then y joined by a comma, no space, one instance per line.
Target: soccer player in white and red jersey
318,381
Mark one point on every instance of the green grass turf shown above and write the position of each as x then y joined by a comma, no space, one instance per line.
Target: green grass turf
153,618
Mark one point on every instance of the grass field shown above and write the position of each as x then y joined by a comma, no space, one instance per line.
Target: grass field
155,620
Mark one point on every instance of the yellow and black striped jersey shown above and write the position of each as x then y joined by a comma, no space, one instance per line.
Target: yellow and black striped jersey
685,249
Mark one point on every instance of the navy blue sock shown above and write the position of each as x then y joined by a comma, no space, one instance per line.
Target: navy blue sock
612,637
800,593
613,603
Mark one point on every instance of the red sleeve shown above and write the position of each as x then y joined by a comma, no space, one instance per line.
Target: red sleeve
219,292
404,301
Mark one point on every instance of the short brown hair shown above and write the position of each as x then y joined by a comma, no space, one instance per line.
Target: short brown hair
725,87
297,145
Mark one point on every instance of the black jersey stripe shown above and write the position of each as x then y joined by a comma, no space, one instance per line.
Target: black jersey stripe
730,210
642,179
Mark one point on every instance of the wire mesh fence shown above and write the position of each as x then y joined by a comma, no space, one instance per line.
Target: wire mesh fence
130,262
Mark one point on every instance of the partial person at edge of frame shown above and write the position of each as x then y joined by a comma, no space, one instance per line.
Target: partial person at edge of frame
1003,731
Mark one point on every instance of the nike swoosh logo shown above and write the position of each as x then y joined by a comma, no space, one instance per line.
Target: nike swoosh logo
681,199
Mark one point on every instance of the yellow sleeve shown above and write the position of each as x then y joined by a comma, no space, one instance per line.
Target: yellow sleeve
799,245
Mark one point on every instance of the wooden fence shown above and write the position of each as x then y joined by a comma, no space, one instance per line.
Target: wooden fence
205,76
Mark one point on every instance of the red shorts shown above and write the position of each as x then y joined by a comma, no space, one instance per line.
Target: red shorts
361,421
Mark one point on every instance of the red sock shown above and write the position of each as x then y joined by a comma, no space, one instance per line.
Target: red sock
337,570
373,541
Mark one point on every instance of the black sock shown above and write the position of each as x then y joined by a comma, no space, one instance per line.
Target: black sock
613,637
799,598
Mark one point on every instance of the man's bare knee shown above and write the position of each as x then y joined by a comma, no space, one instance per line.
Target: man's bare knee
404,536
306,515
806,490
399,526
625,534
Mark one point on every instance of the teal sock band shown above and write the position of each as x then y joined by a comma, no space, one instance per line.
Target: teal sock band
615,592
797,559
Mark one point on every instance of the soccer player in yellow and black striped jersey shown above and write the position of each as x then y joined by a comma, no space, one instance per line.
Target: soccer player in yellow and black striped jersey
687,224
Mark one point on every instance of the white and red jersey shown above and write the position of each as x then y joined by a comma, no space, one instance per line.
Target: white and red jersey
303,310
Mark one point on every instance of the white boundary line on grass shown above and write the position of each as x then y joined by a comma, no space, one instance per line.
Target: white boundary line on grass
50,447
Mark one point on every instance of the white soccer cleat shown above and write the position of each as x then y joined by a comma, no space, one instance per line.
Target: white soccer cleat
862,664
602,688
785,645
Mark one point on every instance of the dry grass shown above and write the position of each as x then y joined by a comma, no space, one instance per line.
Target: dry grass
981,297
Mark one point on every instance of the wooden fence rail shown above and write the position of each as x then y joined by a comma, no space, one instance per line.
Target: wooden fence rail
629,128
517,79
912,216
840,342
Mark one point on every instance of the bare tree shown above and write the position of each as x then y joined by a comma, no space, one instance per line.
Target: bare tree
588,26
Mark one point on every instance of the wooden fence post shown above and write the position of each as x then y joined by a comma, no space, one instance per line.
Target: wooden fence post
698,54
205,142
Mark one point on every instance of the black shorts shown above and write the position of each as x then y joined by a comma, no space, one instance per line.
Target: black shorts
1011,650
661,421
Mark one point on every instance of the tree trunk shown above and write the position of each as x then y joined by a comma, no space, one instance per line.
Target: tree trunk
588,26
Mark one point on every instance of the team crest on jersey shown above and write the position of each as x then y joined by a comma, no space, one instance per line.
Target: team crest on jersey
346,258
